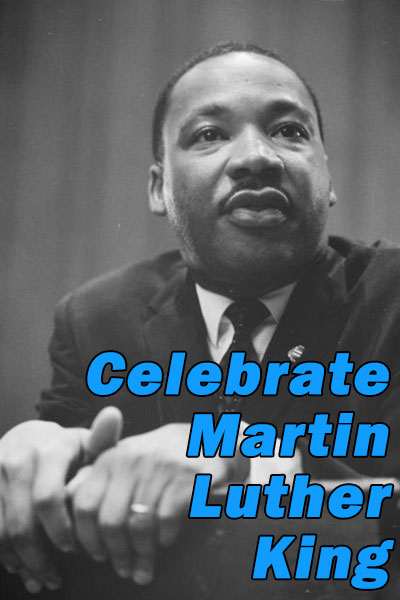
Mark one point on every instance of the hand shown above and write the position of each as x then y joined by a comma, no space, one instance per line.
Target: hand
151,470
36,458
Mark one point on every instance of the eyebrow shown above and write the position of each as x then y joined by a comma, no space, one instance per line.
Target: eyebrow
207,110
285,106
275,108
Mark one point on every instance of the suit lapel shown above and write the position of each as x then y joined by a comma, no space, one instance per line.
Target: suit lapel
314,318
177,325
313,313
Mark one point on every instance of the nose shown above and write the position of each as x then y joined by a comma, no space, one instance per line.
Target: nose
253,154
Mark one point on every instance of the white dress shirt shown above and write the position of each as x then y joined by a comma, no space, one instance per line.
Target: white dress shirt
220,332
219,327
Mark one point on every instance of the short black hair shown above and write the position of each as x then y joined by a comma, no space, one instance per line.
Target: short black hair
161,107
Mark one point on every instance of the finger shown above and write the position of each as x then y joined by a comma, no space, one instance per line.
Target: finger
32,585
113,516
73,485
143,532
8,556
12,561
142,521
105,432
85,506
143,526
173,505
50,498
22,528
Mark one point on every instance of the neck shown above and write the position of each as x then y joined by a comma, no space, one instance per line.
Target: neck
237,289
246,288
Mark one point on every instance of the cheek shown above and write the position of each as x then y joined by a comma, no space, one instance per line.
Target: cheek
319,171
183,208
196,173
177,183
190,189
311,177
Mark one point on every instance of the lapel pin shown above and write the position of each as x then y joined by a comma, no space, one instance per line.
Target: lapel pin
295,353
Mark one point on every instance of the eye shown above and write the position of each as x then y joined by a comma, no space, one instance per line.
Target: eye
292,131
209,135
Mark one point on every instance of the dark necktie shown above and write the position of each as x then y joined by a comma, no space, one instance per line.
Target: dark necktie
245,315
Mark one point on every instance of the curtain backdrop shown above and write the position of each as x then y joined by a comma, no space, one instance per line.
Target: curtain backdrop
78,80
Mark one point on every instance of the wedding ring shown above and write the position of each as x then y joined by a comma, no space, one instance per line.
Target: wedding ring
140,509
141,517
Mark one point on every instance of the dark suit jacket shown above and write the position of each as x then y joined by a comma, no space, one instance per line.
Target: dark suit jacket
348,301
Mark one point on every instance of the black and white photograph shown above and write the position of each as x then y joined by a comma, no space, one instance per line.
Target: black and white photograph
200,299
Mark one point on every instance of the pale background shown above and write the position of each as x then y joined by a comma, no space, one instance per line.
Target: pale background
78,80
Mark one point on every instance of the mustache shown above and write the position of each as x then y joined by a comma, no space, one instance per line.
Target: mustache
249,184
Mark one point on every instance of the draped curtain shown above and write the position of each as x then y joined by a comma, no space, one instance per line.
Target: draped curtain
78,80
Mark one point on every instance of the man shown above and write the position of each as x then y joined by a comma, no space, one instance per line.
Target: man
241,173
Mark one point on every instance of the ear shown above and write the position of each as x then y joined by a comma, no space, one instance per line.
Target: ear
332,195
155,190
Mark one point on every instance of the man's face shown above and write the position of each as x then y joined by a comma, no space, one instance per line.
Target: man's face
244,179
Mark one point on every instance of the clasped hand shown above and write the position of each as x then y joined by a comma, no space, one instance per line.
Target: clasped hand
93,511
150,471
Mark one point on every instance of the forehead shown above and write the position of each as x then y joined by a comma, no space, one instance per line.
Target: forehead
236,77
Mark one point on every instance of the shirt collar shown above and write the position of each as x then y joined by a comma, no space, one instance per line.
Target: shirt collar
213,306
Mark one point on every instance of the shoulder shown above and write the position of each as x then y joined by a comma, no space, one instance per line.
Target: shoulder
127,289
375,265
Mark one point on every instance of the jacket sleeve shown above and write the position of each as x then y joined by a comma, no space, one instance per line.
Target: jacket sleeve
67,400
383,409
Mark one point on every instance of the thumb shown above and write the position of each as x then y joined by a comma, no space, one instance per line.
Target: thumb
104,433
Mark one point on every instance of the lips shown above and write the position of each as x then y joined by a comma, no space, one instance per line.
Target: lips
266,208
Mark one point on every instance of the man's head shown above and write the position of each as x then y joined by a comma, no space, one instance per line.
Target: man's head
240,169
163,100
